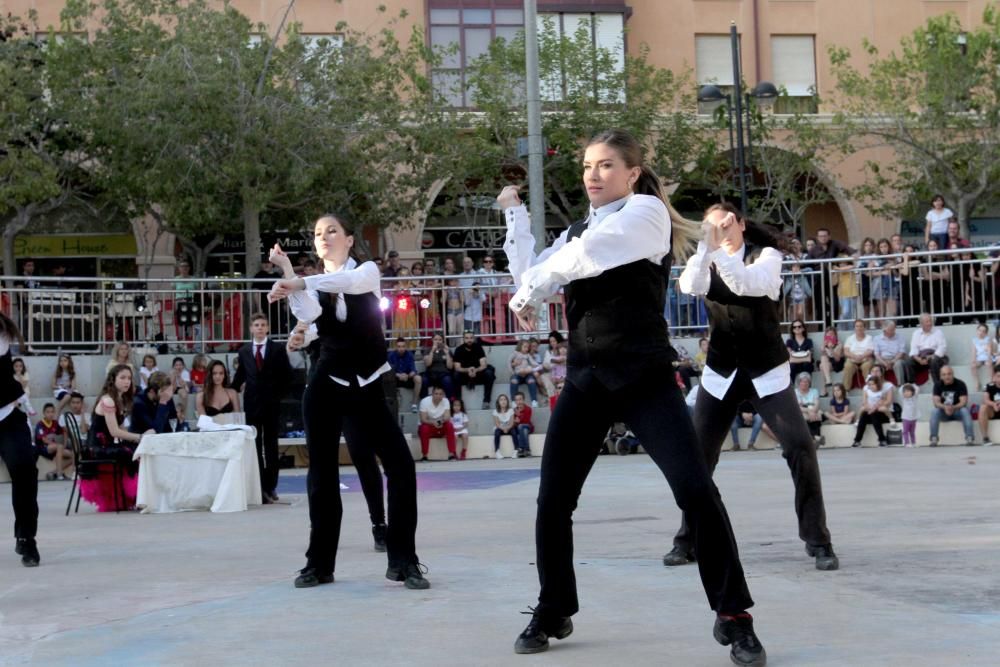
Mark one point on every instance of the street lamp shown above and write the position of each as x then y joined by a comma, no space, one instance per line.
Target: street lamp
764,94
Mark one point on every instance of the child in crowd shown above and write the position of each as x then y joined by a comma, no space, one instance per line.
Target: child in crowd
198,373
840,406
473,313
522,368
558,367
148,368
522,418
454,309
49,443
911,413
21,375
701,356
181,379
460,422
77,407
503,423
63,381
982,354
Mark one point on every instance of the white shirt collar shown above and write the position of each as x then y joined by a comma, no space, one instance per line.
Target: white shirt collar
598,214
350,264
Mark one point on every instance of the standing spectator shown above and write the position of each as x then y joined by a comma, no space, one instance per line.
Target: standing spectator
404,366
866,266
523,371
122,355
910,415
28,281
469,362
937,219
503,424
936,278
951,401
153,407
392,266
831,357
430,266
746,416
448,269
797,290
24,379
876,409
982,354
49,443
840,406
472,314
523,425
435,422
460,422
263,375
63,381
826,248
379,264
928,350
859,352
454,308
909,285
438,366
846,282
470,273
990,409
808,399
883,296
800,350
890,351
954,238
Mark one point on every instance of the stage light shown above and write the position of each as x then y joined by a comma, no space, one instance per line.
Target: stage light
383,304
140,303
403,303
425,303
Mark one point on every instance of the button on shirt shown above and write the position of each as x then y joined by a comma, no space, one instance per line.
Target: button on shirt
761,278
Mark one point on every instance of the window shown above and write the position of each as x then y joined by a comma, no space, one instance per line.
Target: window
793,64
714,64
606,31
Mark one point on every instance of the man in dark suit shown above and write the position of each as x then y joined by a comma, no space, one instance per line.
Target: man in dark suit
264,374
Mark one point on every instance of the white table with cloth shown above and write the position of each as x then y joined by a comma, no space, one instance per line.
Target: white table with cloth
208,469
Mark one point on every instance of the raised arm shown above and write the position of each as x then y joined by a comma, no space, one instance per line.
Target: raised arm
519,246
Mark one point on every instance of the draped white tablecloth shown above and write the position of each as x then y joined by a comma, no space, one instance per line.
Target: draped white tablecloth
215,470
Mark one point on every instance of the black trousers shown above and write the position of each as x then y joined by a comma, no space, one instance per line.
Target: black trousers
782,414
485,378
876,419
370,478
360,413
19,456
655,411
267,449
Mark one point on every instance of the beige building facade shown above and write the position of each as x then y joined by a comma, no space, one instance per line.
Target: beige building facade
782,41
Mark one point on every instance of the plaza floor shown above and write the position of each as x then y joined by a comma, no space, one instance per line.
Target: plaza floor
917,531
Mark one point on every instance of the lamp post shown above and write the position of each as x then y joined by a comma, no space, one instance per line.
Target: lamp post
739,103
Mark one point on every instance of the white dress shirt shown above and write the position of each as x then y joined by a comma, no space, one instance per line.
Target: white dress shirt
760,278
928,341
624,231
9,408
349,279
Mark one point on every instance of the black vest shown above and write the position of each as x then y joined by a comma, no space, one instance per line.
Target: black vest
355,347
745,331
617,331
10,388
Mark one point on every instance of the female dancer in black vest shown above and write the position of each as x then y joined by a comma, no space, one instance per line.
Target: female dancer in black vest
614,267
345,394
16,449
737,268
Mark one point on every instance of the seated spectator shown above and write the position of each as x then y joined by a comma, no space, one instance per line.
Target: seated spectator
523,425
684,365
746,416
951,401
990,409
503,423
77,407
148,368
49,443
910,413
63,381
469,362
876,409
928,350
404,366
800,350
894,408
557,367
808,399
181,378
522,371
621,440
435,422
24,379
218,398
121,356
982,354
438,366
701,356
537,361
831,358
840,406
859,353
199,372
890,351
555,339
107,439
153,408
460,422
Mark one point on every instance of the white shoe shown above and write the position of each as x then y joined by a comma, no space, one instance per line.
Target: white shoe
499,455
534,404
413,407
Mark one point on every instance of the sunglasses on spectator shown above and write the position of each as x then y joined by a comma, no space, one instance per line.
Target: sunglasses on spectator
487,261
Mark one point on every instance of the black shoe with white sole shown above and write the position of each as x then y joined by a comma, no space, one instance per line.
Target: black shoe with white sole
411,574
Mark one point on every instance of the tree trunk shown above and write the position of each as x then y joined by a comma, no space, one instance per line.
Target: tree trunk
965,204
251,237
22,217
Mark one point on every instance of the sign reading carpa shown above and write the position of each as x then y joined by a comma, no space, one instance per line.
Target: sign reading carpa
75,245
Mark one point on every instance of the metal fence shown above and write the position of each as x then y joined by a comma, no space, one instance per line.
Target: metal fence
207,315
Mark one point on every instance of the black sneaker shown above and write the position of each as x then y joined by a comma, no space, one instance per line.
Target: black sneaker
310,576
535,637
378,534
678,556
27,549
411,574
825,558
856,443
738,631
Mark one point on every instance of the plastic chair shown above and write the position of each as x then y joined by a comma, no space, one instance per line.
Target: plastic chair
88,467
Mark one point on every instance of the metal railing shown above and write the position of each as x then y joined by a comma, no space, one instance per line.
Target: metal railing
206,315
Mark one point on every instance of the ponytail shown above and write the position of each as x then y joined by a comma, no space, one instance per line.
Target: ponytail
10,330
683,232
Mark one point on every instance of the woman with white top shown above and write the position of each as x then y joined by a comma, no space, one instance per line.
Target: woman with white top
613,268
344,394
876,409
859,354
936,225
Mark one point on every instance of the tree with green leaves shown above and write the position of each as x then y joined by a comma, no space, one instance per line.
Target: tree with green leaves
936,103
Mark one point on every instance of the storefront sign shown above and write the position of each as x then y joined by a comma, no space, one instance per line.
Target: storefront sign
75,245
478,238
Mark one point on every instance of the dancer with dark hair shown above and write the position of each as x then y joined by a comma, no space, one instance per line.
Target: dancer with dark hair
345,394
737,269
614,267
16,449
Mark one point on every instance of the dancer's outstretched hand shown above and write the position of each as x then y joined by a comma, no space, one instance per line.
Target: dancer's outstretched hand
508,197
527,317
282,288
